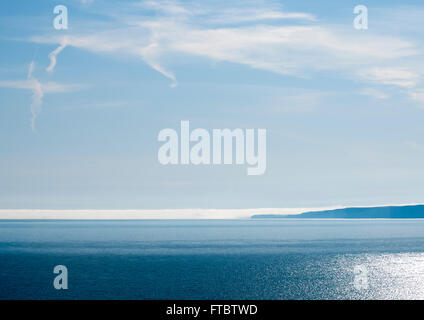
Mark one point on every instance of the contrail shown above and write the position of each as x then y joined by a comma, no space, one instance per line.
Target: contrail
37,94
37,88
149,54
30,69
53,55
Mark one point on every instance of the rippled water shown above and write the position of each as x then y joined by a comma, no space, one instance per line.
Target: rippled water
224,259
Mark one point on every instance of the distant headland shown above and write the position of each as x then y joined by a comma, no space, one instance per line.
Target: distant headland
383,212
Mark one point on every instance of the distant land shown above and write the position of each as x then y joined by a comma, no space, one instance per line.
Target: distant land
384,212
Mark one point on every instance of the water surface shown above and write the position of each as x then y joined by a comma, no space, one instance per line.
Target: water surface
213,259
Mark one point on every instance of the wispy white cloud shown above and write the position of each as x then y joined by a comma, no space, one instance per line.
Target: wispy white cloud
418,97
168,7
298,102
240,15
244,36
97,105
378,94
391,76
255,15
239,12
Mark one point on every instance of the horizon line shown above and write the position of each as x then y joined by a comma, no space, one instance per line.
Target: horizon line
166,214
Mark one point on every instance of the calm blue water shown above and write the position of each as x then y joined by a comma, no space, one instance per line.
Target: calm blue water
225,259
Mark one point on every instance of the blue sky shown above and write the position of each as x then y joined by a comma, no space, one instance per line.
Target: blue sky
343,108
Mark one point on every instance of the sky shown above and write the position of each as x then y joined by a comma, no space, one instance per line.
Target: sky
81,109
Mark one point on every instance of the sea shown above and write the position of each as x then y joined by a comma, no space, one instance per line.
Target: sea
213,259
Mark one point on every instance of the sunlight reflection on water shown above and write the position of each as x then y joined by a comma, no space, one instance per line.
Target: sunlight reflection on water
390,276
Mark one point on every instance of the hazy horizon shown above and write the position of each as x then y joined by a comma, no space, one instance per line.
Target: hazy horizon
142,214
